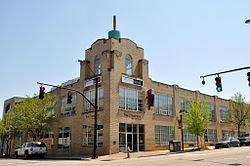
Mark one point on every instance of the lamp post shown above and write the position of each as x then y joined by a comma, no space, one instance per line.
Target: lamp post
182,140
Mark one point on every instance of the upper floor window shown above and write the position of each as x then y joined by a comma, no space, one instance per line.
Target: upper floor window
128,64
91,96
185,104
97,65
130,99
68,109
224,114
163,105
212,112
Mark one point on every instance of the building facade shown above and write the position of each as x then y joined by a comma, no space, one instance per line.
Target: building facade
123,106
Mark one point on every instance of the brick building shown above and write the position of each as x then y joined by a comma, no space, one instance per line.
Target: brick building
122,105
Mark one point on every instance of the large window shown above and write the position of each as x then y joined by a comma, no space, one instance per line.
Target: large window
188,137
227,133
163,105
88,135
212,112
91,96
130,99
224,114
48,138
185,104
210,135
128,64
164,134
64,138
97,65
68,109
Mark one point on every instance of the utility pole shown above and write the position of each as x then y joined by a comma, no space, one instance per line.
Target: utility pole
182,140
95,130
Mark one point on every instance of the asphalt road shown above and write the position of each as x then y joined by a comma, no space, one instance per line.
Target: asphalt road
217,157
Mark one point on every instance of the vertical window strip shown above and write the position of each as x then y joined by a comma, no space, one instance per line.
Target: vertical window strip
164,134
212,112
188,137
211,135
88,135
68,109
163,105
130,99
224,114
91,96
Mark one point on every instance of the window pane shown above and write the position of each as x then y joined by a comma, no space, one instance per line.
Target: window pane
97,65
121,98
128,64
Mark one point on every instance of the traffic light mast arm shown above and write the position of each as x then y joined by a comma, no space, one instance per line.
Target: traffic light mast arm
243,68
69,90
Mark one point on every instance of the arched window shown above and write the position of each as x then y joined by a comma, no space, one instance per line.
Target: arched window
128,64
97,65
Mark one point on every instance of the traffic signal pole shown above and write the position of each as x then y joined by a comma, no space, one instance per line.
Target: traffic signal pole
95,131
223,72
94,156
69,90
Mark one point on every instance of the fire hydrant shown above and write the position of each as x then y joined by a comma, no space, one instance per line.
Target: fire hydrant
128,152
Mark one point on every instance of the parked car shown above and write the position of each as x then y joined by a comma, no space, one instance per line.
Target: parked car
245,139
227,142
29,149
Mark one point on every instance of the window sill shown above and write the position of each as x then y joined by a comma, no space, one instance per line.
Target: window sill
158,114
90,146
131,110
91,111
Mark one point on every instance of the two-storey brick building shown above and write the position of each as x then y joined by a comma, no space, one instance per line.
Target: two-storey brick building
123,107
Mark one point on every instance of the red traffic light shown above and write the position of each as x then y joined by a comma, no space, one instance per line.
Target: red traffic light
42,89
69,94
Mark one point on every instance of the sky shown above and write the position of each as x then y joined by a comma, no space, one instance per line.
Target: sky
42,41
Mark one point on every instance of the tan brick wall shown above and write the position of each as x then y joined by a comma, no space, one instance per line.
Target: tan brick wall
112,53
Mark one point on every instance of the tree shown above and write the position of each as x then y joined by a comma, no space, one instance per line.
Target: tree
239,111
36,113
9,126
196,118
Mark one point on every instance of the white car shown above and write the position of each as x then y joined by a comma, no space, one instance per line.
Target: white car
31,149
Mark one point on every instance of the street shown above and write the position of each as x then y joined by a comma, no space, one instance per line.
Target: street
226,156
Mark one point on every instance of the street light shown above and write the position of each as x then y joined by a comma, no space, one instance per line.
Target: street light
247,21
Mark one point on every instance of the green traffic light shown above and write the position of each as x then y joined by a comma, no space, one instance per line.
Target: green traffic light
219,89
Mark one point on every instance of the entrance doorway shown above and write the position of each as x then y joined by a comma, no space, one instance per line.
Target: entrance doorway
132,136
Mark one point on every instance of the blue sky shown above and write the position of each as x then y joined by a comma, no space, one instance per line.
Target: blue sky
41,41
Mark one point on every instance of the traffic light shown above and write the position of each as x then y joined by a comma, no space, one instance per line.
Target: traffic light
41,93
69,99
248,74
150,97
218,84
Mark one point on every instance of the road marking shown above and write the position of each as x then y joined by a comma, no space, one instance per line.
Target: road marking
228,151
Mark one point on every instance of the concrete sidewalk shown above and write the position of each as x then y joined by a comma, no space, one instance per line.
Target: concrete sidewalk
121,155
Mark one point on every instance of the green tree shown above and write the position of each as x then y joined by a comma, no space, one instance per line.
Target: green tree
9,126
196,118
35,114
239,111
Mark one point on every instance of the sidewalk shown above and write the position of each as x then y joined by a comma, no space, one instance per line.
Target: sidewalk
121,155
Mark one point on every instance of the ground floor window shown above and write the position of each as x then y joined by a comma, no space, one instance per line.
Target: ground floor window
64,138
132,136
164,134
88,135
188,137
48,138
211,135
227,133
